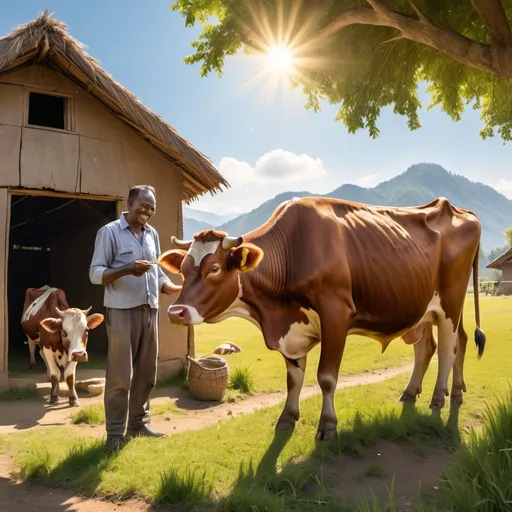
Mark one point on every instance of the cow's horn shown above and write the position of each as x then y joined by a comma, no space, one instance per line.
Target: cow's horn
229,242
59,312
86,311
181,244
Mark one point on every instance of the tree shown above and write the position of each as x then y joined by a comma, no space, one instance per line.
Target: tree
508,236
367,54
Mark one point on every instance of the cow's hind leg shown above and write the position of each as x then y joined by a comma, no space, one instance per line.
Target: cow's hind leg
447,348
69,375
32,344
424,349
295,370
54,375
458,384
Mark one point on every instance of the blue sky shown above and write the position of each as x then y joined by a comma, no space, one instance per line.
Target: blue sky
263,143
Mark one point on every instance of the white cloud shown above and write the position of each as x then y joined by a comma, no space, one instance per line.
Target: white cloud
273,173
504,187
275,167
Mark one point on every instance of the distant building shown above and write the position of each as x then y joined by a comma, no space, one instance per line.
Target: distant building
504,263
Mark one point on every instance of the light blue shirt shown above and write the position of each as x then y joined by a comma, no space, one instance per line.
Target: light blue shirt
117,245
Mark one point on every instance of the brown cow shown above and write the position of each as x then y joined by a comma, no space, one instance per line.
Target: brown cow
61,333
320,269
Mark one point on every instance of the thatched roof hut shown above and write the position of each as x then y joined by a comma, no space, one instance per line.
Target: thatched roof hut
72,143
47,39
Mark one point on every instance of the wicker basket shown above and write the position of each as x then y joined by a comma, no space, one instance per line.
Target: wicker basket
208,378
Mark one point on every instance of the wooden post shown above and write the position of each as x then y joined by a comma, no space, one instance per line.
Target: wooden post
5,222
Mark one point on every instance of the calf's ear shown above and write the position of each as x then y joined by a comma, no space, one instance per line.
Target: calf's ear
94,320
171,260
246,257
51,324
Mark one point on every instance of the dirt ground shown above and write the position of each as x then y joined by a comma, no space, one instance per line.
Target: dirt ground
346,478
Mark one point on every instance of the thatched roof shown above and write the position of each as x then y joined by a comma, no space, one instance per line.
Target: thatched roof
47,39
498,262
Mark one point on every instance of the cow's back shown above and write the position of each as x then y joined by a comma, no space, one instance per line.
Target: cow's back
32,317
388,259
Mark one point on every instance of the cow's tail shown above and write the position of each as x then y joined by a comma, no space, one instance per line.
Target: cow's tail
479,334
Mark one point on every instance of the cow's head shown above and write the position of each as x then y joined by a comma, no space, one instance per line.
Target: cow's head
74,325
210,265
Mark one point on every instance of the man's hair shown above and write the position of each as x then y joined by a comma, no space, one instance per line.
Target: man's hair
137,189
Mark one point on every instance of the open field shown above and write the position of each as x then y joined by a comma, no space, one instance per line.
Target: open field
212,466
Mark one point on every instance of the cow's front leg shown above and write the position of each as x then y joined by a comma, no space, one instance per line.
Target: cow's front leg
295,370
53,373
69,375
334,335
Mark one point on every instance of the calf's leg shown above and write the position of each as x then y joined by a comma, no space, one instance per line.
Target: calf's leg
295,370
69,375
53,373
32,349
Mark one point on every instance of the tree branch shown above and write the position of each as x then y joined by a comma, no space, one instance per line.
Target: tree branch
460,48
495,20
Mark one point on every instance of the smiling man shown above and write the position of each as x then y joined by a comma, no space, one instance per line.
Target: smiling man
124,261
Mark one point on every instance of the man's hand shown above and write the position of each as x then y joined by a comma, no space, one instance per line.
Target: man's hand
169,288
139,267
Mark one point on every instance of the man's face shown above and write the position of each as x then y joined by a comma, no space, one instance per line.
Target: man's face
142,208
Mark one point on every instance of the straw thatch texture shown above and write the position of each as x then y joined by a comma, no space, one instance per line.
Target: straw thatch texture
47,39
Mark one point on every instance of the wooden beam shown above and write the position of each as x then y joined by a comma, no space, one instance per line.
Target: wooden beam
64,195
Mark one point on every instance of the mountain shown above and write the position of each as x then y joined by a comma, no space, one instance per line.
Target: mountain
419,184
208,217
192,226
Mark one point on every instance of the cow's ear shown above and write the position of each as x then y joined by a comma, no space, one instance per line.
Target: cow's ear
171,260
246,257
94,320
51,324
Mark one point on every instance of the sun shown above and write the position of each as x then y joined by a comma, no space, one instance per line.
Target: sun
280,59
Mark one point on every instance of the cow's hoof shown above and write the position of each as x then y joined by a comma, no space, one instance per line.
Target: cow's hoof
326,434
407,397
54,399
285,424
457,399
74,402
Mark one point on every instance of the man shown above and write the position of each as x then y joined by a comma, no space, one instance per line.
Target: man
124,261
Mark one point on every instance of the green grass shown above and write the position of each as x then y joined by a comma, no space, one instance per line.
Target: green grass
240,465
95,414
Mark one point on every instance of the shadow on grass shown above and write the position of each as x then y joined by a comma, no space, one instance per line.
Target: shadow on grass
81,469
299,486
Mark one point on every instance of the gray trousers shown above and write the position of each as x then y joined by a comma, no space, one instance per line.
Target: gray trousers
131,367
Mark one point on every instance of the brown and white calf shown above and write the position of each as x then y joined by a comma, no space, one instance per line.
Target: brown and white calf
62,335
321,269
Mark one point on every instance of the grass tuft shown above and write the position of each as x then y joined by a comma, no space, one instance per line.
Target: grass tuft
241,379
91,415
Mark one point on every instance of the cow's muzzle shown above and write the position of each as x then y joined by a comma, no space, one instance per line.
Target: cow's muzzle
79,357
184,315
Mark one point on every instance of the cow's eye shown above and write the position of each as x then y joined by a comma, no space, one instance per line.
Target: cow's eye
64,334
215,269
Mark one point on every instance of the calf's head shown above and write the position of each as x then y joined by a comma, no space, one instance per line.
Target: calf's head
74,325
210,265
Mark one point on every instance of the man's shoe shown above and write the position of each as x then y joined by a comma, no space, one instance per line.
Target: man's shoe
114,443
145,431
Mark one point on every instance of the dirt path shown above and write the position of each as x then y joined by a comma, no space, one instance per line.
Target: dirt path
194,415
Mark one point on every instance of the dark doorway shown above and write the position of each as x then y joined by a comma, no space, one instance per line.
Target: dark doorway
51,243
